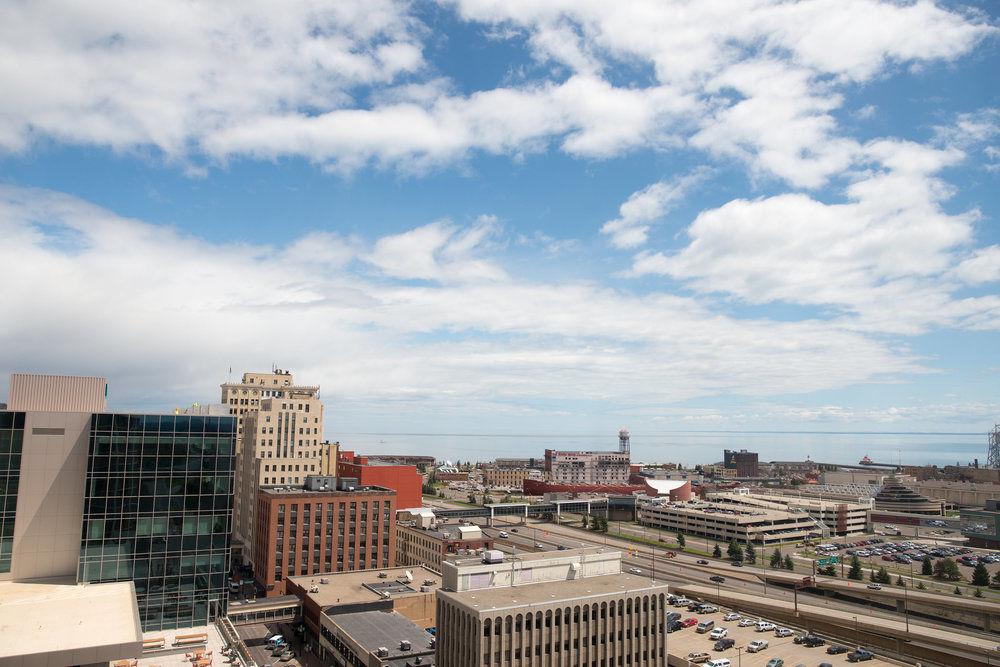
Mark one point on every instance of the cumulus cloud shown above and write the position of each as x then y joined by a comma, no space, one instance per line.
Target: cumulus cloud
87,291
346,84
644,207
886,256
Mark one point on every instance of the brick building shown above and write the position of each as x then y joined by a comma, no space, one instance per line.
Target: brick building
743,462
429,545
405,480
509,478
327,526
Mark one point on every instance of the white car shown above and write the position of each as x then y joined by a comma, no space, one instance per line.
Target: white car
764,626
783,632
746,622
756,645
681,602
718,633
731,616
635,570
503,534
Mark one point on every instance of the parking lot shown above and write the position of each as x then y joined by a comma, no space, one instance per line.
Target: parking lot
687,641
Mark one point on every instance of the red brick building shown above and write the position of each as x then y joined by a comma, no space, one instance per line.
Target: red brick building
303,532
405,480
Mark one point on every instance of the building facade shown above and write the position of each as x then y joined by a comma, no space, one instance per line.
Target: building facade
597,468
742,462
586,617
101,498
896,496
157,511
281,442
724,523
429,546
834,518
404,479
302,532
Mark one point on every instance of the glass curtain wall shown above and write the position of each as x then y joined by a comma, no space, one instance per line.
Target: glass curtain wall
11,438
158,511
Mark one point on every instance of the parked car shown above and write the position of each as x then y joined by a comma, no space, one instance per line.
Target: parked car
875,587
764,626
861,655
783,632
688,622
700,656
723,644
775,662
504,534
708,609
836,649
694,605
746,622
705,626
718,633
736,563
674,626
703,562
811,641
757,645
635,570
681,602
731,616
673,616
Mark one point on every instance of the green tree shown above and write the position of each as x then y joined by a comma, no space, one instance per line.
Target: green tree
980,575
900,581
855,572
776,558
947,569
472,498
716,551
829,571
734,551
583,522
927,569
680,540
790,564
996,579
883,576
749,553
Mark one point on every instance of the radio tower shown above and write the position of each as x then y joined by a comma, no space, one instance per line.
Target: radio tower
993,453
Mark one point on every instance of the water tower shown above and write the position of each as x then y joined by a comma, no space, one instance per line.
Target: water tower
623,441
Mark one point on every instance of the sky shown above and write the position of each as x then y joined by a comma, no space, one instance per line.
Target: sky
513,216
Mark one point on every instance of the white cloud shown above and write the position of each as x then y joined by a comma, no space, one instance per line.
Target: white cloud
87,291
981,267
346,84
644,207
884,256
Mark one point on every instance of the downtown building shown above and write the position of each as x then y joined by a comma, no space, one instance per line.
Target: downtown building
569,608
92,497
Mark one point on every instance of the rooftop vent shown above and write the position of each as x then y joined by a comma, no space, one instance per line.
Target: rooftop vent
324,580
382,652
404,645
383,575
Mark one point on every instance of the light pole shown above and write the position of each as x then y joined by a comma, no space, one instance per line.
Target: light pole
857,634
906,600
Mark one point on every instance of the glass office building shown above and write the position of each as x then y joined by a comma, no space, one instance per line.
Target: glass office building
158,507
11,438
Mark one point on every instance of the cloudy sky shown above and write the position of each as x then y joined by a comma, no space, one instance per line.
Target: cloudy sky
511,215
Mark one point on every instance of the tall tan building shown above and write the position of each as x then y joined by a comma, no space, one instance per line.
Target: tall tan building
280,441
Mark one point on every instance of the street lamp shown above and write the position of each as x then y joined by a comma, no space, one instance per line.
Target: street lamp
857,633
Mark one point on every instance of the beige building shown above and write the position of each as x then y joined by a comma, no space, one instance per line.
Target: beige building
722,522
428,546
833,517
279,440
509,478
591,618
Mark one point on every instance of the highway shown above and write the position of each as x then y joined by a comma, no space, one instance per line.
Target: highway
684,570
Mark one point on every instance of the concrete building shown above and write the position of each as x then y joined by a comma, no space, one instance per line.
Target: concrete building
101,498
404,479
419,541
504,615
321,528
509,478
598,468
724,522
962,494
896,496
408,591
833,517
375,639
742,463
280,426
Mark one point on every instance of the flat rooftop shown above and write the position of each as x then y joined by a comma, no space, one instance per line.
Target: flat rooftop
723,511
57,616
530,556
285,491
376,629
364,585
551,592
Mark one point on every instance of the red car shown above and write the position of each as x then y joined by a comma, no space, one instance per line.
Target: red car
688,622
887,557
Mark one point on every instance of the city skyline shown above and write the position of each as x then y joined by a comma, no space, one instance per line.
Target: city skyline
475,217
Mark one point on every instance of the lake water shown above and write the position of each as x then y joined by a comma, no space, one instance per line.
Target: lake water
688,447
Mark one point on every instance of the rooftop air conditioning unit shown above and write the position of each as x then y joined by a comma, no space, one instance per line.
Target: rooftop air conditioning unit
324,580
382,652
383,575
404,645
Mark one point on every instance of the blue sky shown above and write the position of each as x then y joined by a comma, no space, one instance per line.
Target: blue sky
512,216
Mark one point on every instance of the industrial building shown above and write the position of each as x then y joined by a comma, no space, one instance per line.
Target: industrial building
509,478
724,522
896,496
